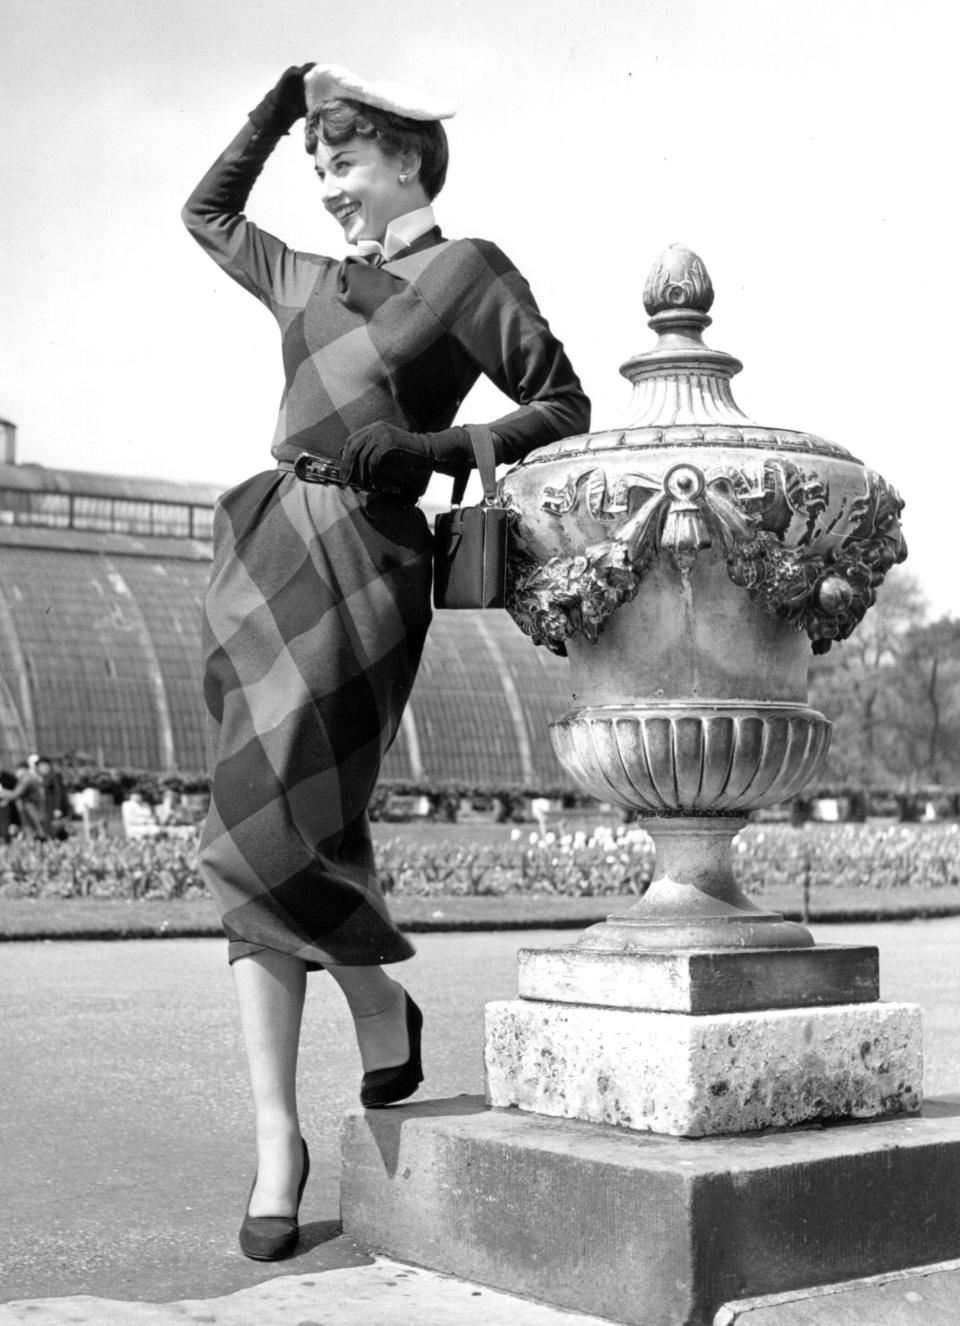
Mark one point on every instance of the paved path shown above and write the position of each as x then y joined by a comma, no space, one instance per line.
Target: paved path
126,1129
385,1293
126,1132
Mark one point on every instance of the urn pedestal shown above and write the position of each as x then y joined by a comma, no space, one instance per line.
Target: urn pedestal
655,1140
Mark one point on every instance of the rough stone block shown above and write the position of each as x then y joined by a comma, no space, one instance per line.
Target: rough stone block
693,1076
644,1229
697,981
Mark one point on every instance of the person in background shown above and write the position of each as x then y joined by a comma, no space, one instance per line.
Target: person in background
9,815
28,796
170,811
56,803
139,820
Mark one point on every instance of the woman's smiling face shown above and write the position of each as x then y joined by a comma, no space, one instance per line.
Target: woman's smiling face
361,187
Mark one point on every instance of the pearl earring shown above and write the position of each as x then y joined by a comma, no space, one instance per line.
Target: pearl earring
402,178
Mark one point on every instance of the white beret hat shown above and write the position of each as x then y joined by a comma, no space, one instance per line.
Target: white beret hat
329,82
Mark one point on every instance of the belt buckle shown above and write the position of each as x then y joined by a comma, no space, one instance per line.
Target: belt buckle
314,469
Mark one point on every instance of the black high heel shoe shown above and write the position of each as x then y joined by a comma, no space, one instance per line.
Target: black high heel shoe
384,1086
270,1238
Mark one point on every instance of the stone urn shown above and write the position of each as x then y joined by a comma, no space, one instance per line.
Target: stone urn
687,563
658,1148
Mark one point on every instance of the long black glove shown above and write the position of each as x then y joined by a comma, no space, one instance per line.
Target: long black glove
284,104
382,451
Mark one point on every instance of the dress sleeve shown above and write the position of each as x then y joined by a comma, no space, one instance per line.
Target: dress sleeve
213,214
488,307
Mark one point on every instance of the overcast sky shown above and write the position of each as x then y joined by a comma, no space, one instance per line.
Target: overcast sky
807,151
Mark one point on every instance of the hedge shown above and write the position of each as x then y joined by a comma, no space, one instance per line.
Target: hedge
906,802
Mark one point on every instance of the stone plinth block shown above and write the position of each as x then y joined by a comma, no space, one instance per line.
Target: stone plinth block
697,981
693,1076
649,1230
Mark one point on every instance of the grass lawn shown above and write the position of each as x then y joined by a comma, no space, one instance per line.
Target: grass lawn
106,918
111,918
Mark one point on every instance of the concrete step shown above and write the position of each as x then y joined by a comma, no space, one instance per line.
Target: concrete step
921,1296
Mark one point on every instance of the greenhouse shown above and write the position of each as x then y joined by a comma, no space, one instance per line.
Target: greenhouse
100,603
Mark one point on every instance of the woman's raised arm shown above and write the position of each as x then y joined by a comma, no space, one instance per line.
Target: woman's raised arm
214,212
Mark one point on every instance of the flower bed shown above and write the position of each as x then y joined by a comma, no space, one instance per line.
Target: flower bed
821,861
849,857
778,859
572,864
101,867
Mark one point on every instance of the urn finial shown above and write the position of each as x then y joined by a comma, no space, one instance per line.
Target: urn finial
681,380
678,279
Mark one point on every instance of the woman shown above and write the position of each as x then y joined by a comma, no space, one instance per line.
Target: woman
318,601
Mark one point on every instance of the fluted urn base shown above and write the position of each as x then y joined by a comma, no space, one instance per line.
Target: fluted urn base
693,770
694,902
692,757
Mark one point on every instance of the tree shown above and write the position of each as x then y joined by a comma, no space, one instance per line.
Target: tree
859,685
926,714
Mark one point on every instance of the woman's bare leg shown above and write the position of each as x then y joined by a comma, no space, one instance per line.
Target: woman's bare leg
378,1006
270,991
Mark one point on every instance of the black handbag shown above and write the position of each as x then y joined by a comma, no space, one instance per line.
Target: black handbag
470,542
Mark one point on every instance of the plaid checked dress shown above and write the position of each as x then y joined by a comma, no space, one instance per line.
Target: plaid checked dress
319,596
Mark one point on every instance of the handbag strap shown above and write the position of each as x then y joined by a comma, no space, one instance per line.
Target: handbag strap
481,438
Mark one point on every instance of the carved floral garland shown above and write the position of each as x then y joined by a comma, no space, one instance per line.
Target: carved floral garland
824,594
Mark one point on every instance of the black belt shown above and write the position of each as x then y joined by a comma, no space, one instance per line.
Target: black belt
406,488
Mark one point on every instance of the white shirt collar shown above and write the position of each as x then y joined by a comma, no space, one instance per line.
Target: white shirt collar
401,231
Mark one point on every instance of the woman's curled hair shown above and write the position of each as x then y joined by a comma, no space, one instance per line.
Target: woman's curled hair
336,122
